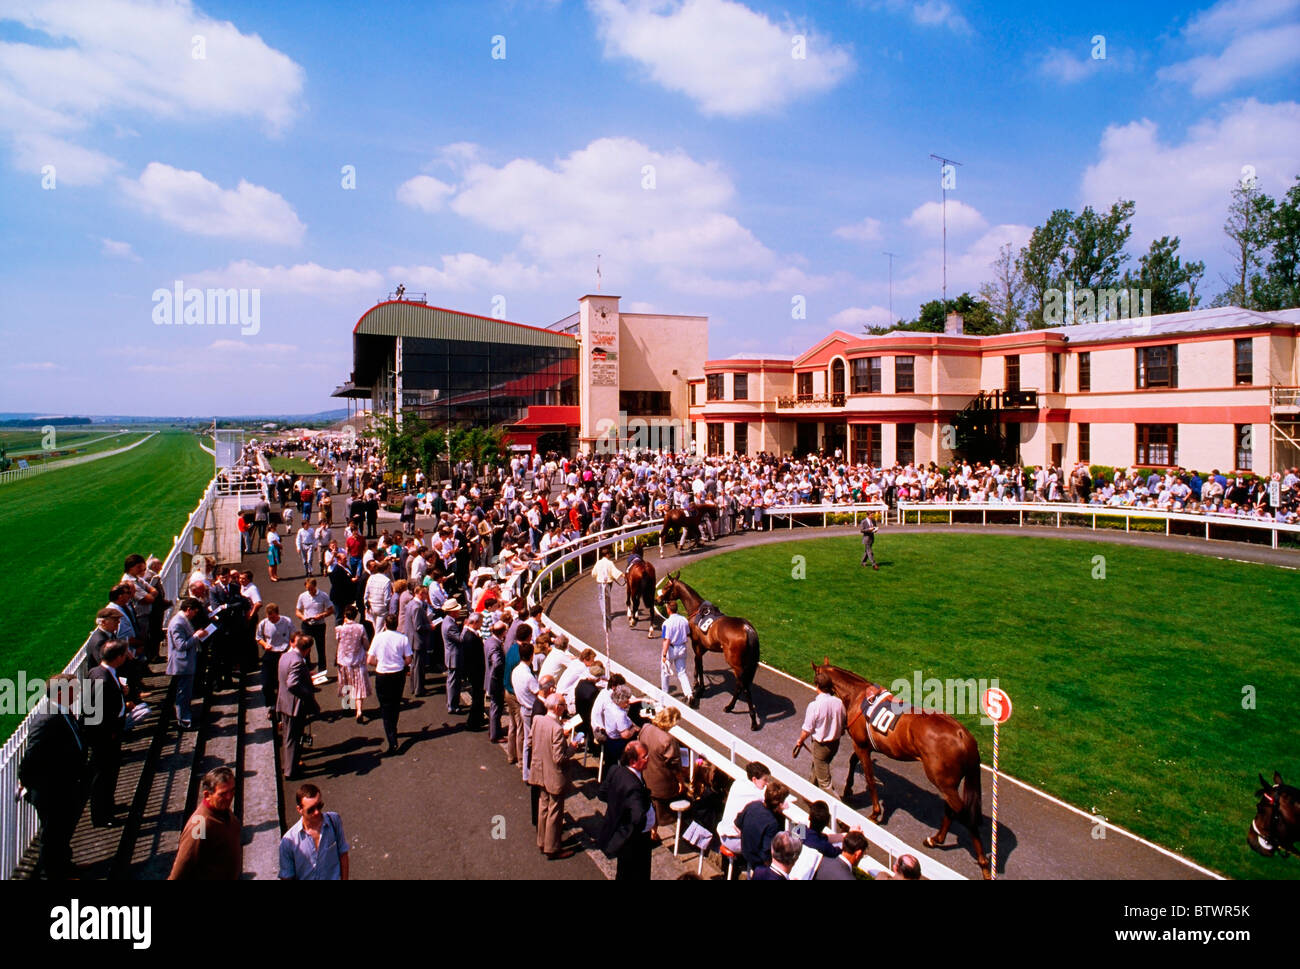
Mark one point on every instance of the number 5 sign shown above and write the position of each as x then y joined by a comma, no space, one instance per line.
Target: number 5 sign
997,707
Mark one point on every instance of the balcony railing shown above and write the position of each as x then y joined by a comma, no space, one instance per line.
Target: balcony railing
1286,398
810,400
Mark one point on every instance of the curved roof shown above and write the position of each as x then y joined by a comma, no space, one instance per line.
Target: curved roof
401,318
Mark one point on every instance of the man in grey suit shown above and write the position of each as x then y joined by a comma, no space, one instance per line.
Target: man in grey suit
419,631
261,516
494,679
296,700
451,650
183,645
840,869
869,529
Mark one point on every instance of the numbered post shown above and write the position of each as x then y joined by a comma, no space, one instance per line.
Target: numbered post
997,707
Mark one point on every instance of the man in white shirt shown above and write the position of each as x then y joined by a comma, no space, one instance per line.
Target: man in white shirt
742,793
677,633
557,660
525,687
390,656
578,669
822,724
306,543
606,573
379,589
612,723
313,608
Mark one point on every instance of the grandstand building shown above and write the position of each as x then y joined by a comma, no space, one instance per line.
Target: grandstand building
599,377
1204,389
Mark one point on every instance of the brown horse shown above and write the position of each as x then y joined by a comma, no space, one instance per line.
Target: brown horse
677,519
1277,818
736,639
641,580
946,749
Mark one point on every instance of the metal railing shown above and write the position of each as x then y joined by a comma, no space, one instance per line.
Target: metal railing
810,400
694,724
1288,397
791,512
18,819
1057,510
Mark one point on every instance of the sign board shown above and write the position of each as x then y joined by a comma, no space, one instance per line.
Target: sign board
1275,493
229,445
997,705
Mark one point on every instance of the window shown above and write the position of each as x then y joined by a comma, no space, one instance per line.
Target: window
716,439
904,375
1085,372
1244,354
905,451
1056,373
866,444
1011,373
1085,442
714,382
1013,441
1157,444
803,386
740,386
742,438
1245,445
866,375
645,402
1157,366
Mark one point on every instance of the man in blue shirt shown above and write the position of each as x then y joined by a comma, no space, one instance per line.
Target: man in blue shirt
314,849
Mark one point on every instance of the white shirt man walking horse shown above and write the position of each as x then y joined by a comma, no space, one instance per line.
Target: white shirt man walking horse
869,529
606,573
677,633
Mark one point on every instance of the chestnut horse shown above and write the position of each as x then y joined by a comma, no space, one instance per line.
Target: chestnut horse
1277,818
736,639
641,580
689,524
946,749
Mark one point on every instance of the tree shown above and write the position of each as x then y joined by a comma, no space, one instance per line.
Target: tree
1096,246
1041,263
1247,228
977,318
1004,294
1280,288
1163,272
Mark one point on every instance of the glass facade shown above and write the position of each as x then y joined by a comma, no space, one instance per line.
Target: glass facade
478,382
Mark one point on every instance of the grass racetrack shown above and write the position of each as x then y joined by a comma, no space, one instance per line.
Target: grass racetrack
67,533
1152,696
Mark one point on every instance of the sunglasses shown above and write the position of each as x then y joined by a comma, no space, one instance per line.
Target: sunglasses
318,808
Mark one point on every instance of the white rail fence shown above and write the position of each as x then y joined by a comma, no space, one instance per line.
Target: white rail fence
696,732
1055,514
15,473
18,820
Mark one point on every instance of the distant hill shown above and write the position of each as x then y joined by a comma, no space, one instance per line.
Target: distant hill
30,419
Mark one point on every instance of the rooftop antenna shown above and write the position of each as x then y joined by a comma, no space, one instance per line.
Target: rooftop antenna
598,272
946,176
891,286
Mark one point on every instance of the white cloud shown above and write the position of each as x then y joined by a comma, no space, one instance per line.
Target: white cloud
729,59
967,268
1183,188
423,192
928,13
858,317
1244,40
118,250
246,347
469,271
99,58
73,164
42,367
868,230
928,218
305,278
189,201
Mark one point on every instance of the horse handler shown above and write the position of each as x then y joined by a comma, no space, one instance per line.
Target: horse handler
823,723
606,573
869,529
677,632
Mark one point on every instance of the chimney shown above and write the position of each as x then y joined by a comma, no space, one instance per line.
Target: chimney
953,325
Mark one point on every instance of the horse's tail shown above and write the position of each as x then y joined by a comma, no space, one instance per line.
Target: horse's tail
648,582
972,799
750,668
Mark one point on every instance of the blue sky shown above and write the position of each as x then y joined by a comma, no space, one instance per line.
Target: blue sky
717,172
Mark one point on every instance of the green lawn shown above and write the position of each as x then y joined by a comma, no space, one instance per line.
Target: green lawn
1127,689
292,465
67,533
